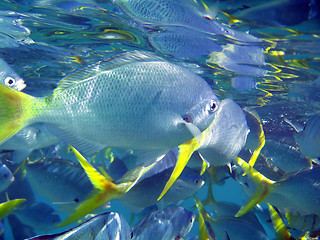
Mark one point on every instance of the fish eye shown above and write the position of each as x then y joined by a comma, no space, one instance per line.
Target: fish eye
213,106
9,81
196,181
76,200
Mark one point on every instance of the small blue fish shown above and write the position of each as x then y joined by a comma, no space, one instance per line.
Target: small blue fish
178,13
9,77
286,157
6,177
283,12
182,42
229,228
223,209
149,186
106,226
242,59
171,223
39,216
28,139
62,182
298,192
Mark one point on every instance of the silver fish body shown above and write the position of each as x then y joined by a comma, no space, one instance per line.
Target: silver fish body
135,100
149,186
170,223
178,13
62,182
109,225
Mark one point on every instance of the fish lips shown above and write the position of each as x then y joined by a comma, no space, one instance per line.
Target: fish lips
201,116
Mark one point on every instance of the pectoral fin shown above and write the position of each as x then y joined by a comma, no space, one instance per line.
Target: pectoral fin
185,152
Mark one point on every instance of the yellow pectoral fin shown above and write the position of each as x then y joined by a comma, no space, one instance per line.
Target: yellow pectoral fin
264,187
7,207
185,152
281,230
98,180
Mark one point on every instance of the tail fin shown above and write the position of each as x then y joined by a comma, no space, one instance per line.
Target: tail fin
7,207
12,111
205,230
264,187
281,230
104,191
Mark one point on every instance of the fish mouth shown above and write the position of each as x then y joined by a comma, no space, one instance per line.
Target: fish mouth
20,85
187,118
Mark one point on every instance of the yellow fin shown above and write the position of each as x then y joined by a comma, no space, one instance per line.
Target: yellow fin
213,174
21,166
281,230
96,178
104,191
203,234
94,200
288,217
13,106
264,187
203,167
7,207
262,141
185,152
203,217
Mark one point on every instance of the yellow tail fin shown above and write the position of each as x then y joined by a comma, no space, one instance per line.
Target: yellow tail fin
13,108
104,191
264,187
281,230
203,217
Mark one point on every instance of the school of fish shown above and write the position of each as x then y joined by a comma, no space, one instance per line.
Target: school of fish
128,138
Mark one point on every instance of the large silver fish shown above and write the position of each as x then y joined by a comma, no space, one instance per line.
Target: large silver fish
136,100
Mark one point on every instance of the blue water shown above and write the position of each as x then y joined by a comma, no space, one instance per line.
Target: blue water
277,77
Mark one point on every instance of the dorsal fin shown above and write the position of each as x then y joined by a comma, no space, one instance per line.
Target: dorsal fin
105,65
